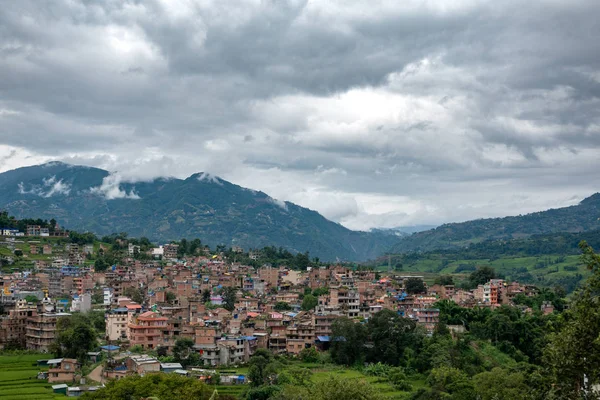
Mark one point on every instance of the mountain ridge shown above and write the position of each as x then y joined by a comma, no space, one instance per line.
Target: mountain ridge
582,217
163,209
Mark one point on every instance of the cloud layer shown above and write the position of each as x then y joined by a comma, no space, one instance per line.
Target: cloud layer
378,114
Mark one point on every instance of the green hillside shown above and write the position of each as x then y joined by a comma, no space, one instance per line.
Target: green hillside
544,260
201,206
580,218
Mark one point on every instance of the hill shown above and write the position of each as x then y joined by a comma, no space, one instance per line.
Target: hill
544,260
579,218
164,209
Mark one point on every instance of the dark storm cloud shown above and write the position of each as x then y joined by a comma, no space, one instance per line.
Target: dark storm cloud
383,112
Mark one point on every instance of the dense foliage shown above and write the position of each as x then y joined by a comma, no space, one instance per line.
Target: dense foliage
77,334
156,386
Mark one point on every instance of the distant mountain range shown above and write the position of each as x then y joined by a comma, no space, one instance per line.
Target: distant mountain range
218,212
201,206
580,218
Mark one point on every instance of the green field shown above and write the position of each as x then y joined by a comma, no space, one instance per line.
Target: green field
18,379
320,373
547,270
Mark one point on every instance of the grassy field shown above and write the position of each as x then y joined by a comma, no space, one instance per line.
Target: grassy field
544,270
320,373
18,379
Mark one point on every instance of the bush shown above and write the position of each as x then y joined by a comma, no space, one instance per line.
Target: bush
378,369
397,378
309,355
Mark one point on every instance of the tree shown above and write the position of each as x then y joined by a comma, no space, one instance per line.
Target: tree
332,388
74,337
302,261
206,295
19,253
282,306
309,302
414,285
98,297
500,384
31,299
320,291
162,351
170,297
445,280
391,335
97,320
348,341
100,264
259,372
159,386
134,294
452,381
300,376
183,352
481,275
229,298
309,355
573,353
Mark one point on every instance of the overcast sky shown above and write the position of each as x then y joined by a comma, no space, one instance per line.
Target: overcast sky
379,114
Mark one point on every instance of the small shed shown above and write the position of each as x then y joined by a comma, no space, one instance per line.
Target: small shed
323,342
181,372
61,389
74,391
170,367
94,356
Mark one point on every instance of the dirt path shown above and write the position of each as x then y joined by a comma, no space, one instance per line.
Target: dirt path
96,374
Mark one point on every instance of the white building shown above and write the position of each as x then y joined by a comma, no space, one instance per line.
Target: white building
158,251
108,296
116,324
132,249
82,303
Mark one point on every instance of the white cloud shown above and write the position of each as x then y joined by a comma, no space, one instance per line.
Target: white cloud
111,189
279,203
49,187
206,177
56,187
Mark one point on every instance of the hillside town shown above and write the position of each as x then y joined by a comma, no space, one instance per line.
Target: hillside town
228,309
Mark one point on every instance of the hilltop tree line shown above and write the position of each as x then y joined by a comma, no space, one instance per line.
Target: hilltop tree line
9,221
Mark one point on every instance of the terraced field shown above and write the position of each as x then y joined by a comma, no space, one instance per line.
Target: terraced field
18,379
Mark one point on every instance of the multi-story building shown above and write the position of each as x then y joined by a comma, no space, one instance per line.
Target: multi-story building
146,329
13,326
323,324
83,283
116,324
62,370
270,276
41,330
347,300
490,293
36,230
233,350
428,317
170,251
